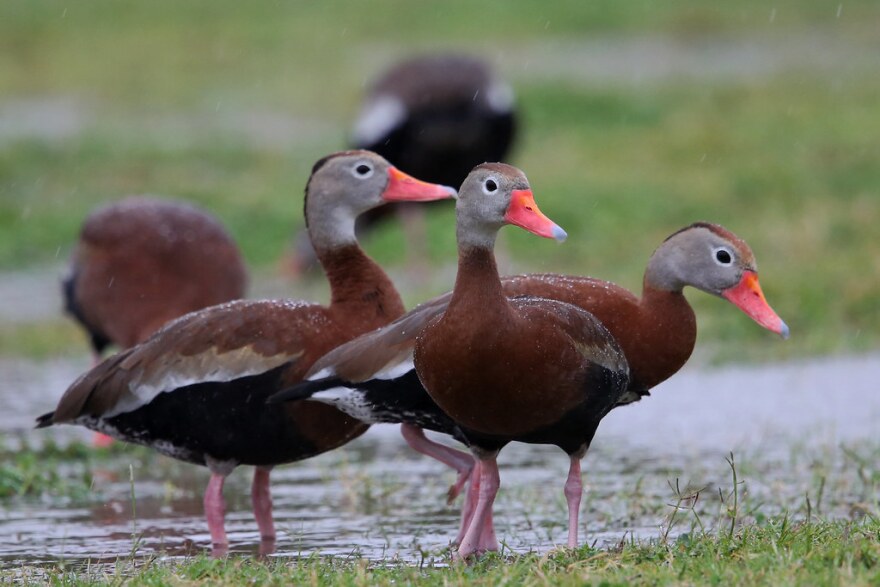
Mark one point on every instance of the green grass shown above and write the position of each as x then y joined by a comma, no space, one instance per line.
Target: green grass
58,471
160,95
44,339
28,473
777,552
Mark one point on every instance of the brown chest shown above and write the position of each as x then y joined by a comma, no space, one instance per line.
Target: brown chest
497,379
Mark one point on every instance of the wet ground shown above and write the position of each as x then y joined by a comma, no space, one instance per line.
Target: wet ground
797,431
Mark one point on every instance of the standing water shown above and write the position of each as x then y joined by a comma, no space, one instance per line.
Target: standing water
789,426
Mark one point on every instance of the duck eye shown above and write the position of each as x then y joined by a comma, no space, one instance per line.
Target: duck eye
490,186
723,256
362,170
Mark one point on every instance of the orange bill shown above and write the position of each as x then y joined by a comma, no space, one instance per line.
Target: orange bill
523,212
405,188
748,297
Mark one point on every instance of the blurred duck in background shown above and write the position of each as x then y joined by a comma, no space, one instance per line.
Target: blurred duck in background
435,117
144,261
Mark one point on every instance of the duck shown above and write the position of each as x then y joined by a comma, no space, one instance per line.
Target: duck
373,377
526,369
434,116
142,261
195,390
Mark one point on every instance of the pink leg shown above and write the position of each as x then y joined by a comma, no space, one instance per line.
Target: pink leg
261,497
215,509
455,459
488,541
573,490
489,483
101,440
219,550
267,547
470,502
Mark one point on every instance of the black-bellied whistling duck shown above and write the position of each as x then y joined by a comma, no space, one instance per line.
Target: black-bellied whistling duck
372,376
658,330
527,368
196,389
435,117
144,261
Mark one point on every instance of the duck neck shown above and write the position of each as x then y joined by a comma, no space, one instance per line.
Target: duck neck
662,288
359,288
477,283
667,335
665,269
653,296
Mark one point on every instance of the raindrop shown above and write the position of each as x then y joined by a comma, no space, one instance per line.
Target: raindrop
772,15
839,10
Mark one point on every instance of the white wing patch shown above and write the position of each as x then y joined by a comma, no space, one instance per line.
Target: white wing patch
378,117
323,373
206,367
350,400
395,370
500,97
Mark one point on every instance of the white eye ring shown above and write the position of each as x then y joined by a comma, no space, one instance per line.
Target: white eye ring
490,186
723,256
362,170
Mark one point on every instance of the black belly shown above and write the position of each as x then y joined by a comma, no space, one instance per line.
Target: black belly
227,421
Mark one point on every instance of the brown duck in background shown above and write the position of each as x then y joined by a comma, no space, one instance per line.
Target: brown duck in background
435,117
144,261
196,389
373,378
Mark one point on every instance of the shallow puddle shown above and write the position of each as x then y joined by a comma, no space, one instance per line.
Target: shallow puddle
796,430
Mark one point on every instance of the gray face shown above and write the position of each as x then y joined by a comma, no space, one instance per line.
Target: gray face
484,199
701,258
341,189
354,181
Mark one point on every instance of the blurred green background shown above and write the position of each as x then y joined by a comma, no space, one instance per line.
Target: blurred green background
638,118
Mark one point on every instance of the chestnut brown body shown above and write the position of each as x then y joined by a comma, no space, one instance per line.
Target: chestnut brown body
144,261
